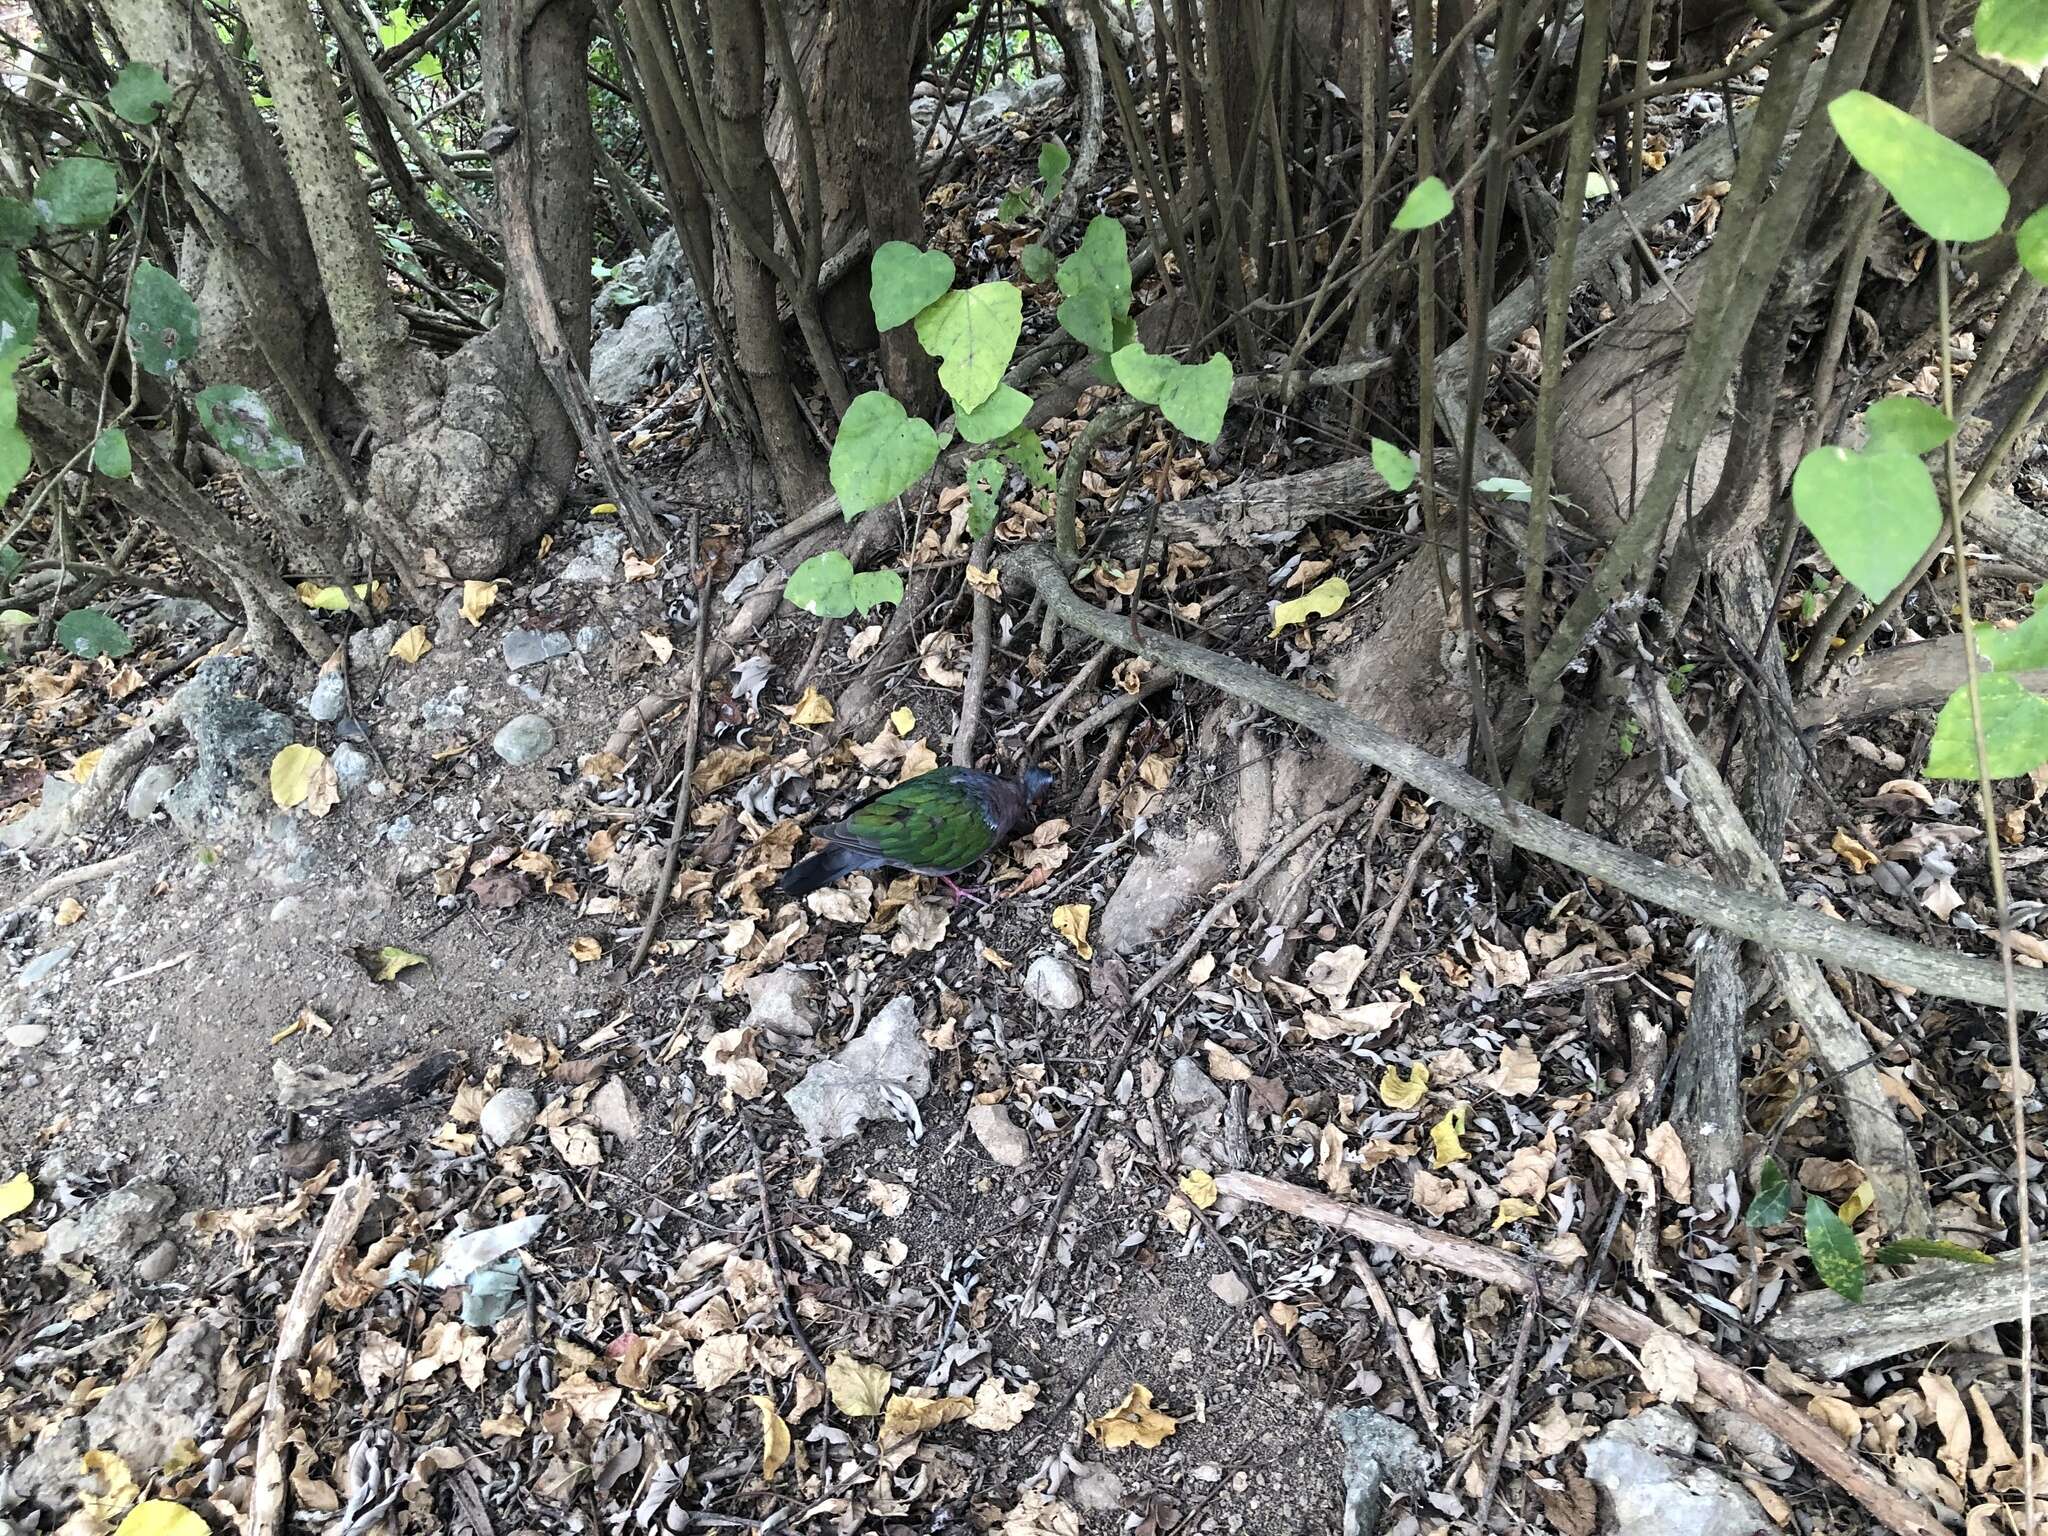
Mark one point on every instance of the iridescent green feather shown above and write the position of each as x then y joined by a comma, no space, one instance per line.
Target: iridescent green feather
935,824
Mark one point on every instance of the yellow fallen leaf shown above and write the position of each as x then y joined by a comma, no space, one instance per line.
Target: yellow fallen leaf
907,1416
385,963
774,1437
1443,1136
335,599
1411,986
16,1196
812,709
1071,923
293,773
1134,1421
1860,1200
903,720
477,597
586,948
605,509
1319,602
1199,1187
83,765
113,1488
69,911
985,582
858,1389
412,645
1860,858
1512,1209
160,1517
1398,1092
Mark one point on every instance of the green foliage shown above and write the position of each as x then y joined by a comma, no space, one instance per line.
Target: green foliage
1773,1196
139,92
1906,1249
2013,32
1097,282
1901,424
77,193
397,26
2024,649
1053,164
1832,1247
984,486
163,322
997,416
1428,202
2032,239
902,280
828,586
1396,465
1193,398
18,312
90,633
110,455
2015,732
18,223
1944,188
973,331
237,418
880,453
1873,512
1037,262
1024,452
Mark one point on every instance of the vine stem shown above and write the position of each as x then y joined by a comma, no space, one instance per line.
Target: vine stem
1987,809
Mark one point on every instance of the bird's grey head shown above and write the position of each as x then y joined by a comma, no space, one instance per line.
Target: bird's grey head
1036,782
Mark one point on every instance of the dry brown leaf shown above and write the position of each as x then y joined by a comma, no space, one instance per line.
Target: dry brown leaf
1334,972
812,709
775,1442
859,1390
1668,1369
729,1057
1519,1073
1439,1197
1507,967
1134,1421
998,1408
1952,1419
1667,1154
1070,922
906,1416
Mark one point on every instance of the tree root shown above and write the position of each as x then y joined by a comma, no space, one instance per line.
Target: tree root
1797,930
1876,1138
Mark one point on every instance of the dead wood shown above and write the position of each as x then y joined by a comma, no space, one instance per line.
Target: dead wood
1734,1387
1918,676
1828,1336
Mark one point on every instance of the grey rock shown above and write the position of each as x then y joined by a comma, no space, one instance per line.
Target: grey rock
44,966
1654,1490
141,1420
1192,1090
1380,1455
1228,1289
524,739
508,1117
351,767
1050,982
328,701
26,1037
155,1266
601,563
989,108
147,792
631,359
1098,1488
114,1228
1042,92
228,790
184,613
588,638
1160,887
784,1001
25,831
1000,1136
367,648
879,1076
530,647
613,1111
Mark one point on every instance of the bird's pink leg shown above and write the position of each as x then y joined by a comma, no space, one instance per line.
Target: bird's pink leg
963,893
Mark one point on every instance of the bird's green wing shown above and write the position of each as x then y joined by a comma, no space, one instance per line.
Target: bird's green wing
931,823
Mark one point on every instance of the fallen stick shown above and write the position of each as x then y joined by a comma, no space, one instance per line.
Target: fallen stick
1725,1381
67,879
294,1333
1773,923
1934,1304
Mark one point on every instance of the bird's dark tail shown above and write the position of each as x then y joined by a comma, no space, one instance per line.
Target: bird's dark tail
822,868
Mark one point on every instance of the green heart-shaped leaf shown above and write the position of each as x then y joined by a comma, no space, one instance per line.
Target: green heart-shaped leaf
18,312
997,416
1396,465
1901,424
1773,1196
1832,1247
1086,318
2032,239
1949,191
1428,202
163,322
18,222
89,633
984,484
77,193
1873,513
874,589
1101,264
974,332
110,454
2015,732
1053,163
1037,262
2013,32
237,418
2024,649
139,92
1193,398
902,280
879,453
822,585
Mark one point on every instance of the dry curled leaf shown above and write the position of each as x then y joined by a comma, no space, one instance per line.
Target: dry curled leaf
411,646
1399,1092
812,709
477,597
859,1390
1070,922
1134,1421
906,1416
1444,1138
775,1444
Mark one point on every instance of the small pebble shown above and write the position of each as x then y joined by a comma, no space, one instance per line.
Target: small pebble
999,1135
508,1116
524,739
22,1036
1051,983
155,1266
